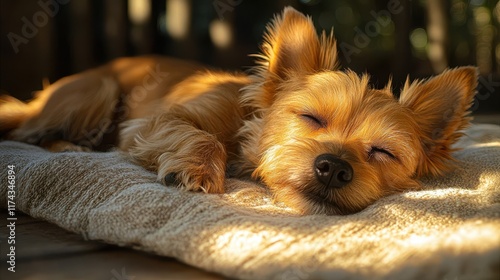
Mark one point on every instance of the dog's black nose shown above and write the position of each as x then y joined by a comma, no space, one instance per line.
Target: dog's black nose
332,171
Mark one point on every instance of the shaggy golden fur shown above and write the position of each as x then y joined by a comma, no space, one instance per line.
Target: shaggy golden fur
322,140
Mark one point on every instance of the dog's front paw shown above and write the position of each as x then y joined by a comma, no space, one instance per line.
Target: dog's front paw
202,169
194,182
64,146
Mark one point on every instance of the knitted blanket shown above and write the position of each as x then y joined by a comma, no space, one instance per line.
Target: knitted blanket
448,230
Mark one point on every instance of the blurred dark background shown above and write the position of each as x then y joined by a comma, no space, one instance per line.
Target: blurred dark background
49,39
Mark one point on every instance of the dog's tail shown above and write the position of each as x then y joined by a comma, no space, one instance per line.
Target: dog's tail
14,112
78,109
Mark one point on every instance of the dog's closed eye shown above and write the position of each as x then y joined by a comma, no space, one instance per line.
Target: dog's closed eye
313,120
377,152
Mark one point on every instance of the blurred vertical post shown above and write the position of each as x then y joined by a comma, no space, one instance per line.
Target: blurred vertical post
141,26
496,12
115,28
485,33
437,29
81,54
403,64
179,27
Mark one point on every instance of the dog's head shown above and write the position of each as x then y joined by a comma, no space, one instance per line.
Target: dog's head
324,141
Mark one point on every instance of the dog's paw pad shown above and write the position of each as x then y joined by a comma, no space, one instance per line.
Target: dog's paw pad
170,179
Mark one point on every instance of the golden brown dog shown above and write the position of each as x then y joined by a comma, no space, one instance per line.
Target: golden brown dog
321,139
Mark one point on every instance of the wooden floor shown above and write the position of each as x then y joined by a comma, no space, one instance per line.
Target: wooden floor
487,118
45,251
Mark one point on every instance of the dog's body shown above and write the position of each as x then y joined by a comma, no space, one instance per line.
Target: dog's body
321,139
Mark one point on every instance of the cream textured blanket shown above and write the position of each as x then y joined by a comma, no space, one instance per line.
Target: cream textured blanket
449,230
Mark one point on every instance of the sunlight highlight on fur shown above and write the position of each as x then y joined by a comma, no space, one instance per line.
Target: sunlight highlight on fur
321,139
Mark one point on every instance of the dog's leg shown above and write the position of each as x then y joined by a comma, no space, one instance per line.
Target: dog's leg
190,141
172,145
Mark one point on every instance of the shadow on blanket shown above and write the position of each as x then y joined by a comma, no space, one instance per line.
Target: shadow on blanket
448,230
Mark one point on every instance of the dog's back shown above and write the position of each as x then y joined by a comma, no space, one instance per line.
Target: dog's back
85,108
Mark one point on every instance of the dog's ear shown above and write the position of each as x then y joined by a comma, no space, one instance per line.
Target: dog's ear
292,46
440,108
